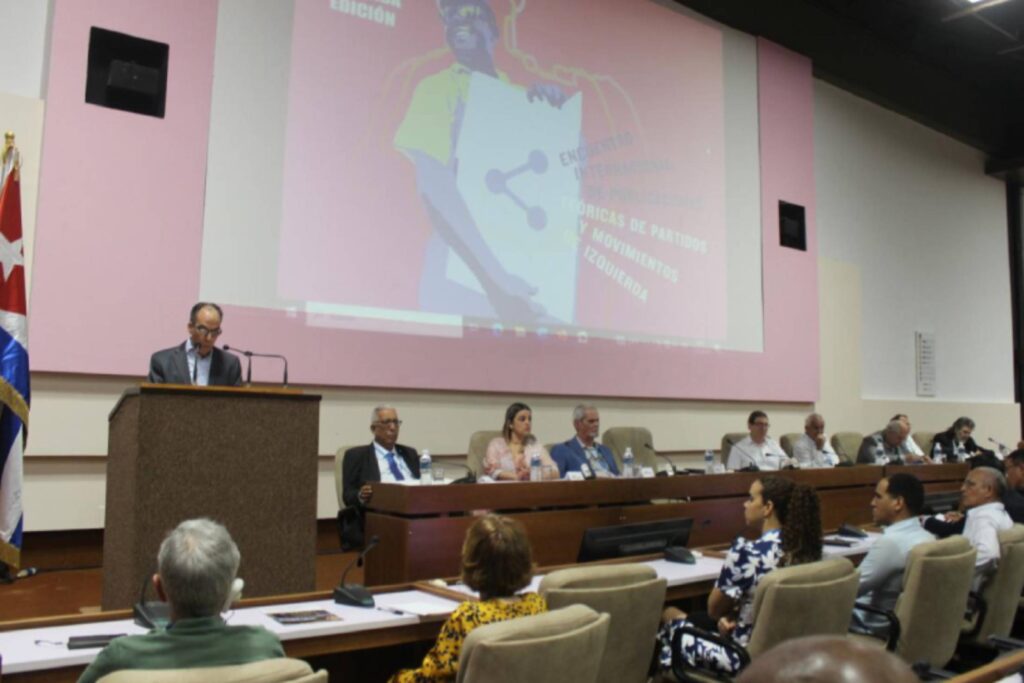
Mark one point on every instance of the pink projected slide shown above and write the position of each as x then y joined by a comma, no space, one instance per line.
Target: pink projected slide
462,162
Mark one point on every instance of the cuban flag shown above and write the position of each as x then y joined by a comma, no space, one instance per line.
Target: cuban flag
14,380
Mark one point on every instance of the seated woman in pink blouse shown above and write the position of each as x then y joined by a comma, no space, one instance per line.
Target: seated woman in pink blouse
508,455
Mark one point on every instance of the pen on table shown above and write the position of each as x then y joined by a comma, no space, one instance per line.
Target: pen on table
392,610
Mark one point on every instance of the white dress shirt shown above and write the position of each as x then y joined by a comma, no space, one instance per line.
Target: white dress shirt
200,375
385,469
910,446
981,527
767,455
806,453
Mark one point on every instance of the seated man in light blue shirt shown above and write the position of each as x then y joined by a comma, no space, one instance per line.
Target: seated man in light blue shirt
583,453
896,505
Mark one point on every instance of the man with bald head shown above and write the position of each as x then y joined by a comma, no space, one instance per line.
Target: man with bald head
826,659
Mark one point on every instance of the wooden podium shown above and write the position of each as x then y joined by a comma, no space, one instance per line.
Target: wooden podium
244,457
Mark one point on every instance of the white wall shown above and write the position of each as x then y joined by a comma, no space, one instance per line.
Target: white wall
23,47
927,228
893,199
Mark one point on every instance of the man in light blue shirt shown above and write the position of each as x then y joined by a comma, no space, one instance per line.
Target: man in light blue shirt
896,505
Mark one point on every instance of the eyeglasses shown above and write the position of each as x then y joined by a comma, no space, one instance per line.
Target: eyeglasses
204,331
761,424
389,423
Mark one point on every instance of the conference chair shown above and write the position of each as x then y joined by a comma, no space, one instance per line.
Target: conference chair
788,441
846,445
478,449
553,647
727,441
792,602
928,615
279,670
637,438
1000,595
339,488
632,595
924,441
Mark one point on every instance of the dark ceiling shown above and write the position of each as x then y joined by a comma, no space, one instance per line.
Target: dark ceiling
962,76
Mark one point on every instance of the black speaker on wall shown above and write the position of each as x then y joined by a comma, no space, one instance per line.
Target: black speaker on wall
126,72
792,226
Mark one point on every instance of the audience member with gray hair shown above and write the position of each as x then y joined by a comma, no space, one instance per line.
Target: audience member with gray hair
196,571
582,453
981,497
884,447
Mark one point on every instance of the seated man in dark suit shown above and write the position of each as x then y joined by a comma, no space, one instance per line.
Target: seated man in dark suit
383,460
197,361
583,453
196,569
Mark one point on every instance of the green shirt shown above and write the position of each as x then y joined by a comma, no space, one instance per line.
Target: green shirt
185,644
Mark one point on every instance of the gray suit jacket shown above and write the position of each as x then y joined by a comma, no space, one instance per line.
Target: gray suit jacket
170,366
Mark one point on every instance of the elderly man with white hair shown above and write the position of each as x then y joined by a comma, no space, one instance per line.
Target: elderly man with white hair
196,569
812,449
884,447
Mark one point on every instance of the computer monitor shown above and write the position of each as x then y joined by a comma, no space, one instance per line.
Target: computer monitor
601,543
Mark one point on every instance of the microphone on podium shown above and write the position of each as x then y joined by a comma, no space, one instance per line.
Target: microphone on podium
253,354
355,594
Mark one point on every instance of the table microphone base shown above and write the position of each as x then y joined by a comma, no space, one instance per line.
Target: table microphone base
353,595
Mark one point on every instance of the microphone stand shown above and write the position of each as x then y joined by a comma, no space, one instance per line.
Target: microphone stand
250,354
355,594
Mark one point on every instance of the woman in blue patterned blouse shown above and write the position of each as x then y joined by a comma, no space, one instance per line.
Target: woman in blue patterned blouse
788,517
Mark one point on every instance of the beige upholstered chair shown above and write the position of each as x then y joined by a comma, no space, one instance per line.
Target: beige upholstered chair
924,441
632,595
930,610
1001,593
280,670
788,441
846,445
728,440
637,438
804,600
553,647
339,475
478,449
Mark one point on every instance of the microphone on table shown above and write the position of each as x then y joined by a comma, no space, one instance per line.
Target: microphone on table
670,469
355,594
253,354
1000,445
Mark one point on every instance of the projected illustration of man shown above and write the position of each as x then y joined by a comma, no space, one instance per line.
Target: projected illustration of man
428,135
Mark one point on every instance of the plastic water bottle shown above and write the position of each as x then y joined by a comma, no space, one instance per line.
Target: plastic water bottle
535,471
709,461
426,476
880,457
628,464
937,455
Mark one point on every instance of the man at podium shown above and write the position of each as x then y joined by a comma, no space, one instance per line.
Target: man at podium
198,361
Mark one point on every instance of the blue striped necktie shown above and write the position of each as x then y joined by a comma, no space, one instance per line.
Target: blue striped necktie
395,471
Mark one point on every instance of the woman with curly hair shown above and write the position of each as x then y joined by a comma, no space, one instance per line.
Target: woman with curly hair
787,516
497,563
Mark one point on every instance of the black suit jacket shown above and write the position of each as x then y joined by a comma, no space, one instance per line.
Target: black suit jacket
170,366
947,439
358,467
